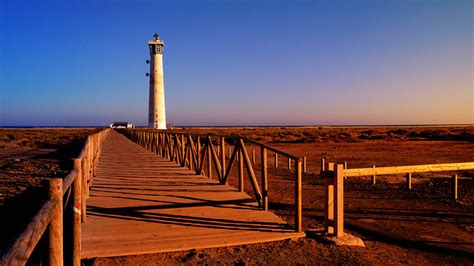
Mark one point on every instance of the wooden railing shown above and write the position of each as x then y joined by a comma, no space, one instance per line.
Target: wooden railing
336,173
200,152
72,192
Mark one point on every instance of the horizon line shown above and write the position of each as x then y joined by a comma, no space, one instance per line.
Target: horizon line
261,126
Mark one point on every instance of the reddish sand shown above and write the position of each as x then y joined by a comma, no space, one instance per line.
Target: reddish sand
421,226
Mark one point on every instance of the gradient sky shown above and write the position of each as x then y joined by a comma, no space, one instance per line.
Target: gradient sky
238,62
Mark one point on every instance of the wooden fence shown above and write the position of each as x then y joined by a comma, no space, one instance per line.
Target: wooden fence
200,152
72,192
336,173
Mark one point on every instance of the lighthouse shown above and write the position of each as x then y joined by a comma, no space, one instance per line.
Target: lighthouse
156,109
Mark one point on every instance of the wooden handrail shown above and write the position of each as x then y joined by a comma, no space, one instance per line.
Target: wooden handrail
181,148
51,214
335,174
254,142
69,179
285,154
408,169
25,243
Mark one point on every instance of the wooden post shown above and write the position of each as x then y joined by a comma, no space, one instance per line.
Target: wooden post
83,181
209,160
183,150
298,197
373,176
222,155
408,177
329,198
304,164
253,156
56,253
339,200
76,221
264,179
89,167
345,165
289,163
241,170
190,154
198,153
455,187
323,165
276,160
159,144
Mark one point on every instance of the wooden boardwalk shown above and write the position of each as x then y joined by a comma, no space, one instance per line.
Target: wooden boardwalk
141,203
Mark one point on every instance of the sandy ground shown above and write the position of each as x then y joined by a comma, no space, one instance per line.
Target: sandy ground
27,158
421,226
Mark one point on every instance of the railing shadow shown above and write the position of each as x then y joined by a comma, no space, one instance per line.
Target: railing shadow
150,214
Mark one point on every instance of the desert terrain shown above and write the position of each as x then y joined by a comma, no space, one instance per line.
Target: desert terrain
27,158
421,226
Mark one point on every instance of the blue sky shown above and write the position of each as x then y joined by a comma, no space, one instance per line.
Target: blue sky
238,62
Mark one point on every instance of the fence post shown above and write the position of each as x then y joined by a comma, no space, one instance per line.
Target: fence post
298,196
209,159
56,254
408,177
183,150
76,222
198,151
264,179
276,160
329,204
339,200
241,170
373,176
83,181
455,187
190,154
222,154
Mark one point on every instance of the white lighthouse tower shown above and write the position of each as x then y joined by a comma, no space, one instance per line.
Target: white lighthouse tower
156,111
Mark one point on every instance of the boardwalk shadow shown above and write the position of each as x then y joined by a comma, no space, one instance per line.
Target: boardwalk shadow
151,214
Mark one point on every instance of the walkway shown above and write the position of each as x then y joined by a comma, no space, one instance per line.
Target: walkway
141,203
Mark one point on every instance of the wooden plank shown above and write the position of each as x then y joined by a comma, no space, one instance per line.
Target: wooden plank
408,169
169,207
